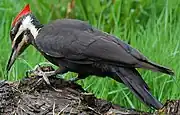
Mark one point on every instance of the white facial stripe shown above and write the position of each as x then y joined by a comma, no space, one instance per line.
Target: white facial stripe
17,35
27,24
19,32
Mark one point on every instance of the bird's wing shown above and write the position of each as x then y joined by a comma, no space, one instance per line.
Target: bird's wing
76,40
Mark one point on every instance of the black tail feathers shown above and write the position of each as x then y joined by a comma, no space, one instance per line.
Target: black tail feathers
162,69
131,78
156,67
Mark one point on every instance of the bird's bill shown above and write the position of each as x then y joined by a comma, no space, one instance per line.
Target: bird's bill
12,59
16,51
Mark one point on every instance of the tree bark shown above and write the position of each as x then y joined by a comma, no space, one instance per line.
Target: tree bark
32,96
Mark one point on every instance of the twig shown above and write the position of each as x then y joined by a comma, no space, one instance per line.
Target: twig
94,110
63,109
54,105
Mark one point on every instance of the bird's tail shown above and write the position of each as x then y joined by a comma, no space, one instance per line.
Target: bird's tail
155,67
131,78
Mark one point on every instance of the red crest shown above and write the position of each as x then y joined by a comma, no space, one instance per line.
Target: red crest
23,12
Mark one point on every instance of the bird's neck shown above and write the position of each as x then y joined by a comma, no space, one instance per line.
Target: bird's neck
33,25
36,23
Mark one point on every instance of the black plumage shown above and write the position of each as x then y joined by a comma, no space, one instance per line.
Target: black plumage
75,46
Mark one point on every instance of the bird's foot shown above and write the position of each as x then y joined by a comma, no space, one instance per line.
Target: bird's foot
38,71
30,73
38,67
45,75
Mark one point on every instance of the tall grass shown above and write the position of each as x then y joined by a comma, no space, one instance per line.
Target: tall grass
151,26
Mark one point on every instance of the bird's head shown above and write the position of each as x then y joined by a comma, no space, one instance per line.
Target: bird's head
24,28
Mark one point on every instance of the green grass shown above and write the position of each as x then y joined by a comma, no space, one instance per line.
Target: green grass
151,26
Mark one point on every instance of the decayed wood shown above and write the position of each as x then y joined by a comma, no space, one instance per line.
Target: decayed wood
32,96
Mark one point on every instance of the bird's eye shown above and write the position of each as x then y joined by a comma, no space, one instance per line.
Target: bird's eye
12,35
14,30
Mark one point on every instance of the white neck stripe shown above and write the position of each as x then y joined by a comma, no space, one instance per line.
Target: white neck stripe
27,24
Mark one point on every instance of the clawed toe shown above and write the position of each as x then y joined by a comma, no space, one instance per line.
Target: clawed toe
39,71
33,72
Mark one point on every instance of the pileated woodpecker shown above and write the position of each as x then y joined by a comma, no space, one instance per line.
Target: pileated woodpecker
74,45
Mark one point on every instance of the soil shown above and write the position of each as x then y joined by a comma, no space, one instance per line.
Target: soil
32,96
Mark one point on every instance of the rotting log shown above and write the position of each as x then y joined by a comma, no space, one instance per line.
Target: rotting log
32,96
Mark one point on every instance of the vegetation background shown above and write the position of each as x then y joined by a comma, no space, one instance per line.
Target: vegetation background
151,26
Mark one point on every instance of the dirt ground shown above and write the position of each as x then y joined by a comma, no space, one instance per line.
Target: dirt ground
32,96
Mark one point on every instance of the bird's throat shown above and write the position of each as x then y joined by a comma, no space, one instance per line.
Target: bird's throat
34,26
